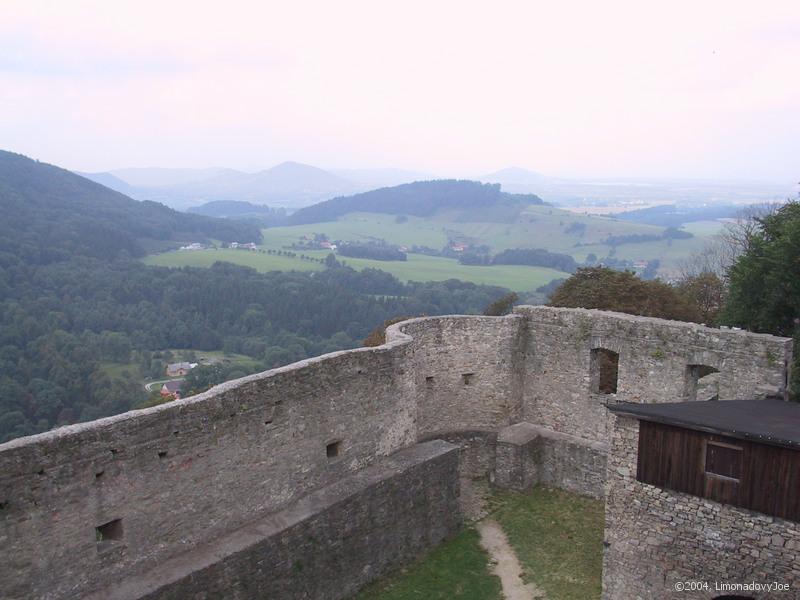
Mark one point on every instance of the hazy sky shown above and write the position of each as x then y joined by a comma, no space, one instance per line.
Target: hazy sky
669,88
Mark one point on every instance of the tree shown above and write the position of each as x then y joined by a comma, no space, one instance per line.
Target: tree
708,293
622,291
501,306
330,261
764,293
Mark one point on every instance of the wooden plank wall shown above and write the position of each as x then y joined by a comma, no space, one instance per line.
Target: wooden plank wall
674,458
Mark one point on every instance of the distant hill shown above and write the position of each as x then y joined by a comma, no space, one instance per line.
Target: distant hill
237,209
149,177
51,214
289,184
421,199
514,176
110,181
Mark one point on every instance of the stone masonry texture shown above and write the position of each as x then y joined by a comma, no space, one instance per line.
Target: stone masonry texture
326,545
656,538
172,479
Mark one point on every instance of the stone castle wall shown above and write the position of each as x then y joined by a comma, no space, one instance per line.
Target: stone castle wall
182,475
657,538
328,544
654,355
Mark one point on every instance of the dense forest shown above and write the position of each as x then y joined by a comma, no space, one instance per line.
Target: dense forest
420,199
73,298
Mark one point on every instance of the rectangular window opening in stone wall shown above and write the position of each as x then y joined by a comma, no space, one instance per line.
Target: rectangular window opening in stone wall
604,371
702,383
467,378
108,535
333,449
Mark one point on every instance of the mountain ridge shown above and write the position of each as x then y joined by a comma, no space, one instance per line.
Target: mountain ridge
79,216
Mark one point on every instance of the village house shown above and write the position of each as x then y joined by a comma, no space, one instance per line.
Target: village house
179,369
172,389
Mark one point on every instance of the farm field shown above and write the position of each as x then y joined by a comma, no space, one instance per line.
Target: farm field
246,258
535,227
417,268
545,227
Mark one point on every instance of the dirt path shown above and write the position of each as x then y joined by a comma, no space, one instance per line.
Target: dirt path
505,563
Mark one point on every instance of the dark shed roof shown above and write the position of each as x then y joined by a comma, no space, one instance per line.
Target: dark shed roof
773,422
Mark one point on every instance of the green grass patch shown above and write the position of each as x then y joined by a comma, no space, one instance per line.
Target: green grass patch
558,539
704,228
458,569
211,356
246,258
418,267
536,227
119,370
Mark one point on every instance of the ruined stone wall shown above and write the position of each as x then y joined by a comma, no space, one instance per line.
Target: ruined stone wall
184,474
326,545
465,372
657,538
655,356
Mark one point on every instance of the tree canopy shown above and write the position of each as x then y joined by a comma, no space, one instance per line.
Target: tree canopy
623,291
764,281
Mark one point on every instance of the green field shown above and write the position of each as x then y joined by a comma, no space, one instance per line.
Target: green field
246,258
417,268
535,227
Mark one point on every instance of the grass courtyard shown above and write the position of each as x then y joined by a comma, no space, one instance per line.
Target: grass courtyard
556,535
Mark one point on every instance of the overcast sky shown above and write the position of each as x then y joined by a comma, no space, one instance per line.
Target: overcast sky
670,88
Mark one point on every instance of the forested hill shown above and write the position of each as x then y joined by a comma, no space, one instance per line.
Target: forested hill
84,324
421,199
50,214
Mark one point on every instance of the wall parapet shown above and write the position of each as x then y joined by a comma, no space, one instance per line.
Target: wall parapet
162,481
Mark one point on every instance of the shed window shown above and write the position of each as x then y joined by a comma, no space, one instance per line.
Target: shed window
723,460
604,371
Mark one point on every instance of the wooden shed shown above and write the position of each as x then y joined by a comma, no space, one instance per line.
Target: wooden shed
745,453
